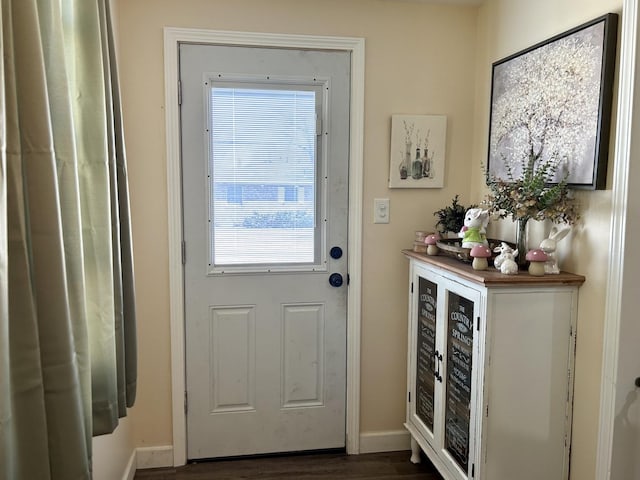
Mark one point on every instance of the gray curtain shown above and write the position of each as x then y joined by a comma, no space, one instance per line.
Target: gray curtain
67,309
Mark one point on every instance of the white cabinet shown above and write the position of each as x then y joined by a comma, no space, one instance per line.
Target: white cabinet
490,370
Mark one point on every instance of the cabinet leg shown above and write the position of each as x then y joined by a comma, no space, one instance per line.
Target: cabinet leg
415,451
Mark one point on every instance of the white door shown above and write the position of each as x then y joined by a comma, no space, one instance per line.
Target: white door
265,175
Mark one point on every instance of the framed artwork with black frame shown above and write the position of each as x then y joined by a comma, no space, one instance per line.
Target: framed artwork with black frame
551,103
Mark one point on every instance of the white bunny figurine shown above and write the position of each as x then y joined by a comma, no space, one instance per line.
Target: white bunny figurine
548,246
509,265
503,250
475,227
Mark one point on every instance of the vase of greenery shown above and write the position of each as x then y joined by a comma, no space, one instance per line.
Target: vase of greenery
531,195
451,217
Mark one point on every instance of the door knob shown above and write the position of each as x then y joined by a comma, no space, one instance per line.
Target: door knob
335,280
638,382
335,252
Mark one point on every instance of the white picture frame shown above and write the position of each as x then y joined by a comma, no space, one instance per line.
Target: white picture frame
417,154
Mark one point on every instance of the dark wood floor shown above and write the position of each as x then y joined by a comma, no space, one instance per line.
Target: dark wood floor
321,466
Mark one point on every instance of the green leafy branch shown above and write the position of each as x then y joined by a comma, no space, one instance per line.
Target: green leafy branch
532,195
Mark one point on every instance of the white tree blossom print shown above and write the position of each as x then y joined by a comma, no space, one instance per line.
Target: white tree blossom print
545,107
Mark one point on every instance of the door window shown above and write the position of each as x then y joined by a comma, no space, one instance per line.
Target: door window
265,211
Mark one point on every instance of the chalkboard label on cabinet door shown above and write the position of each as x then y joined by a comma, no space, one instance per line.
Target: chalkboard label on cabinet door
458,384
426,367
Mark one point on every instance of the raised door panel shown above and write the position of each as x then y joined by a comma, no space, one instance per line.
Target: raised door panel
303,366
232,354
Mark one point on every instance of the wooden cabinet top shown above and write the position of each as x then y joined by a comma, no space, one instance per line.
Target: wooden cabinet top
492,277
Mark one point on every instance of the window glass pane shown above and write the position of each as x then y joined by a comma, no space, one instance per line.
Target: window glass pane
459,367
263,175
426,364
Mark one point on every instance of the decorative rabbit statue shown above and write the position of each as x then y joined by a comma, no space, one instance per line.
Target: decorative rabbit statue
475,226
504,250
508,264
548,246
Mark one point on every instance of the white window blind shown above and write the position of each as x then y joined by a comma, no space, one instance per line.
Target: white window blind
263,173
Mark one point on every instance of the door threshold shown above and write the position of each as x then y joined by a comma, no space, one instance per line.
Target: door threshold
297,453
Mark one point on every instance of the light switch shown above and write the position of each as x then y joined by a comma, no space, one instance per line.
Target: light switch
380,210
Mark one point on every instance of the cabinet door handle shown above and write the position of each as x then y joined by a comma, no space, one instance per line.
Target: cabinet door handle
438,360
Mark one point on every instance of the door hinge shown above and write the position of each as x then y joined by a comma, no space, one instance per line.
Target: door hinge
186,403
486,413
184,252
409,399
478,324
473,470
411,287
179,92
348,279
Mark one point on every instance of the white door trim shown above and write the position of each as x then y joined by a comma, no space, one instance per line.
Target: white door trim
172,38
626,146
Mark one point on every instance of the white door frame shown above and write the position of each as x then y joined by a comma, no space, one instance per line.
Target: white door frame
172,38
626,146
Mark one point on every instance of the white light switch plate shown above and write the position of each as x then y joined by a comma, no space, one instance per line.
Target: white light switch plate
381,210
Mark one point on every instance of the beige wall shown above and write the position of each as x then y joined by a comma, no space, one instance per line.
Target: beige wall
419,59
505,27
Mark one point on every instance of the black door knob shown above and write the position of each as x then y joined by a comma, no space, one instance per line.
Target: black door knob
638,382
335,252
335,280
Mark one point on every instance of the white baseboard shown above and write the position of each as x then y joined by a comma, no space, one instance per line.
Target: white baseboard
154,457
385,441
370,442
130,469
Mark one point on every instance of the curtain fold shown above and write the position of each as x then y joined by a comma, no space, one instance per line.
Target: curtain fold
67,308
120,223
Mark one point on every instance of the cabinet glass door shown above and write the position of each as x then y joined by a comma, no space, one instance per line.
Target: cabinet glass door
426,371
459,340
